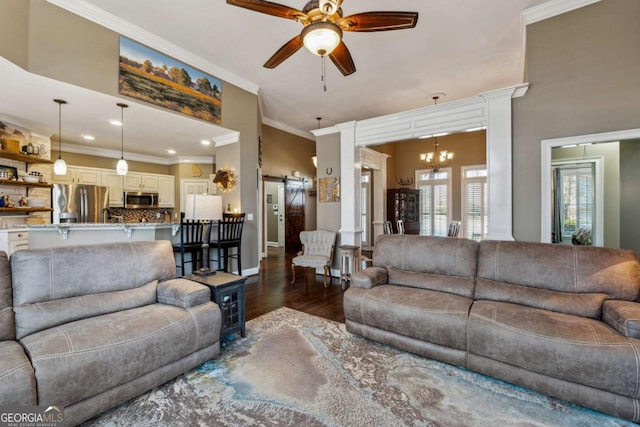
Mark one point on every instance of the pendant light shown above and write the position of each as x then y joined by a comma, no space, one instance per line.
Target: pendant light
60,167
122,167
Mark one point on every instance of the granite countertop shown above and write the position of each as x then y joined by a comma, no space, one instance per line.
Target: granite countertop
103,225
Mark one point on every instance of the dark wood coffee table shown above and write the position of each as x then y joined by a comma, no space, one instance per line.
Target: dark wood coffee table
227,290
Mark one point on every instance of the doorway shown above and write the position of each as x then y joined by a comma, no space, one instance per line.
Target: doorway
274,213
284,212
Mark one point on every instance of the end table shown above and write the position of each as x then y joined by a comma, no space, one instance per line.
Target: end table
227,290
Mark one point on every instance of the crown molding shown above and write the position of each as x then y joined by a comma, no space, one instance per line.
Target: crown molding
553,8
286,128
115,154
127,29
230,138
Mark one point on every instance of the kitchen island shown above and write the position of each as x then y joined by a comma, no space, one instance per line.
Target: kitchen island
73,234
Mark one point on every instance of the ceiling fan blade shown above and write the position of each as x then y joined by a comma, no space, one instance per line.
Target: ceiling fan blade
271,8
379,21
342,59
288,49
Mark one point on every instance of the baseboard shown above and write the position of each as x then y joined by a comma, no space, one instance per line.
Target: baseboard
273,244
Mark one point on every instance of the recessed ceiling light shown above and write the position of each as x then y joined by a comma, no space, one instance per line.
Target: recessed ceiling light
89,137
205,142
171,151
115,122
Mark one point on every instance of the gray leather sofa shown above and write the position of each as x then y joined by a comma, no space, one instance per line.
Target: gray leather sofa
562,320
99,325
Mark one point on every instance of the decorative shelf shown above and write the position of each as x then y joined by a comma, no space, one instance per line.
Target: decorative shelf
25,184
26,210
24,157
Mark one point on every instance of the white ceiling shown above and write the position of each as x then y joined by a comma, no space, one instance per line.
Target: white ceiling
459,47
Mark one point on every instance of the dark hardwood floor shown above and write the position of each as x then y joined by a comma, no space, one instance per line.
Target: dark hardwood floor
272,289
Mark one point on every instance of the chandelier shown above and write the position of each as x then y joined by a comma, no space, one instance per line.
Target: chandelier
436,160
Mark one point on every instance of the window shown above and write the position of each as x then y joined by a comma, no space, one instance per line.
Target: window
475,218
576,199
365,201
435,201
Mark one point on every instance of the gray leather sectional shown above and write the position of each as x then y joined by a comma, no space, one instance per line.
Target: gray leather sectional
89,327
562,320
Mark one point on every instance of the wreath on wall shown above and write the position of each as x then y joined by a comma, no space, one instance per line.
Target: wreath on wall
224,180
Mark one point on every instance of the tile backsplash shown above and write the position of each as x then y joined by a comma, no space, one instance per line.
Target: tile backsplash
140,215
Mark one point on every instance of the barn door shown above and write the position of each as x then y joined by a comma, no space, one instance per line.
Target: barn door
294,214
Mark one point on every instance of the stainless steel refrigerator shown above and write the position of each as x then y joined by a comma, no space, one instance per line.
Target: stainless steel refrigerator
79,203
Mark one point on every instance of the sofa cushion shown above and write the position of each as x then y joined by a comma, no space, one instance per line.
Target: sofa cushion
17,381
7,325
561,268
431,255
38,316
579,304
570,348
80,359
462,286
369,277
49,274
183,293
436,317
623,316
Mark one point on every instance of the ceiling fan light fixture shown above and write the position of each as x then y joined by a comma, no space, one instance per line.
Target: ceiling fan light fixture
321,38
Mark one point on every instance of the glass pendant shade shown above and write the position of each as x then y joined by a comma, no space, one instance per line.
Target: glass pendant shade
321,38
122,167
60,167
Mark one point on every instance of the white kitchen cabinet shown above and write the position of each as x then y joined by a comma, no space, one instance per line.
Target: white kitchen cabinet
141,182
115,183
79,175
13,240
166,192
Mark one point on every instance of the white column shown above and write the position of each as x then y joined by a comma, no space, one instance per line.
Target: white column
500,162
350,175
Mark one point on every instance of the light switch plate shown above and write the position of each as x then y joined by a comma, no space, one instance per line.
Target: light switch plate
249,217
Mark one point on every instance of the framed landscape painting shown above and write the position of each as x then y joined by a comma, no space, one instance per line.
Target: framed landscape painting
151,76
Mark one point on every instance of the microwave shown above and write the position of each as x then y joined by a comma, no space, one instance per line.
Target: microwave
140,200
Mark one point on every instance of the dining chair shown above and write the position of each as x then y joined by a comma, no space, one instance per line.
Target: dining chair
400,226
317,252
226,236
454,229
191,239
387,227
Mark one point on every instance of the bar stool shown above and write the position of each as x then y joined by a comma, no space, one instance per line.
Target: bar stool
349,263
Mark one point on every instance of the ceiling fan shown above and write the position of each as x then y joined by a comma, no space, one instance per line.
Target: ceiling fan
324,23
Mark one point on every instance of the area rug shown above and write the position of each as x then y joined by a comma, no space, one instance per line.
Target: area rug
295,369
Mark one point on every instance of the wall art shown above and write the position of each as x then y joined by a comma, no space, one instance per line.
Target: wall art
151,76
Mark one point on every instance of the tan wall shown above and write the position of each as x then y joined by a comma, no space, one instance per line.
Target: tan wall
469,149
328,150
582,67
629,199
14,27
284,153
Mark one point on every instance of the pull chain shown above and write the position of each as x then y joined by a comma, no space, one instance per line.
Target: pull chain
323,77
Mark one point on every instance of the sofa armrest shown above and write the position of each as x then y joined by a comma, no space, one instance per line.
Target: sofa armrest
183,293
623,316
369,277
